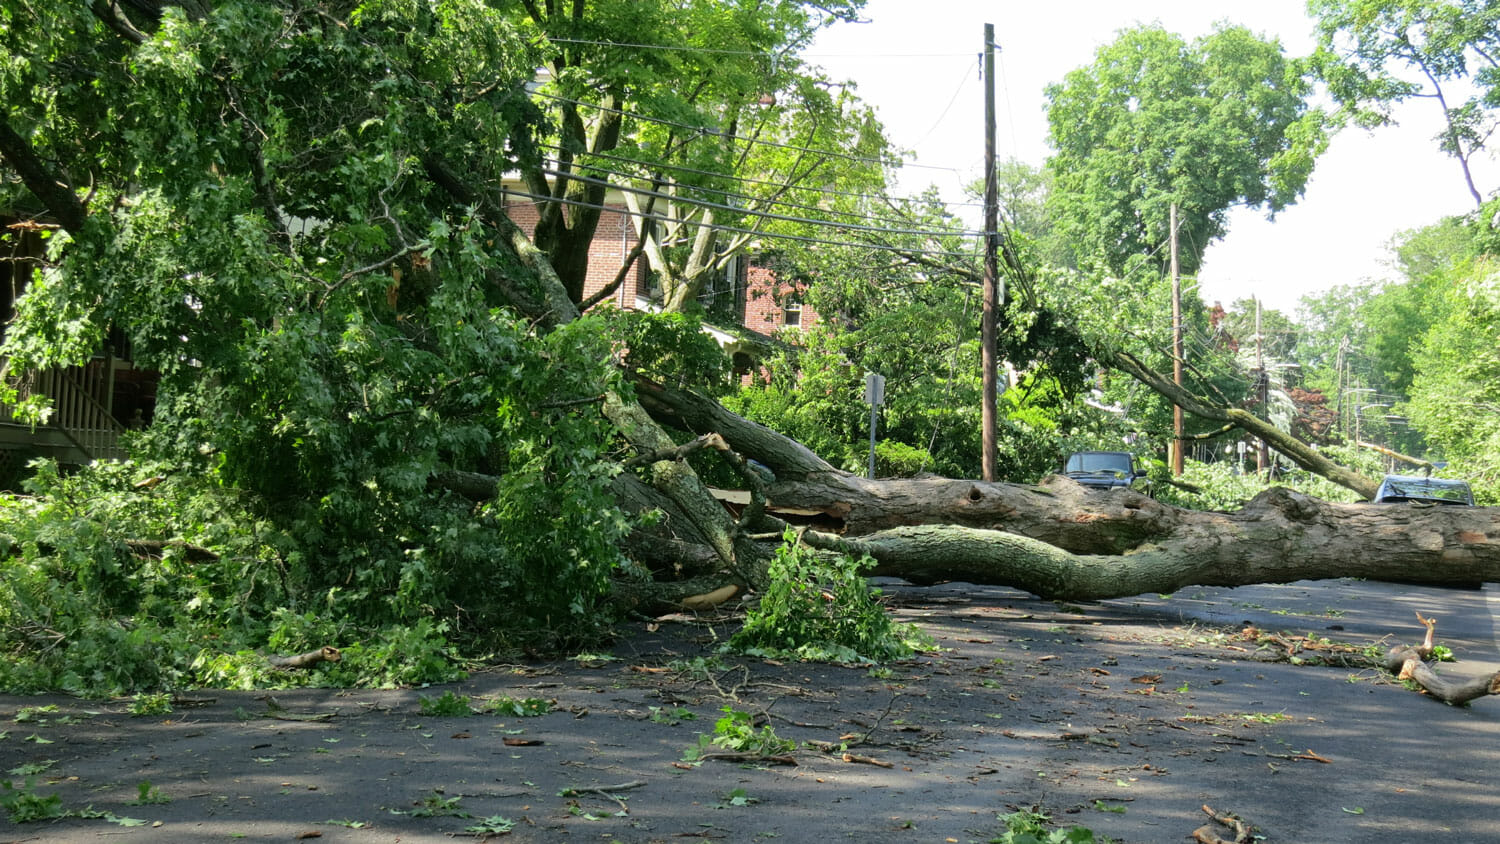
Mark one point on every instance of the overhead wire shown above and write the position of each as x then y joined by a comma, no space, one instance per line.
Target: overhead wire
703,203
540,198
963,83
682,168
579,176
682,48
862,159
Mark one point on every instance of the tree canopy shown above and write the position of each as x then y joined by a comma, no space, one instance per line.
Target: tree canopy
1155,120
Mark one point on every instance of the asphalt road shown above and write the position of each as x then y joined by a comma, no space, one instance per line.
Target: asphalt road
1125,716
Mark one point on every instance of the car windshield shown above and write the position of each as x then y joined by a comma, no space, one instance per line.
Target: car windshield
1405,488
1091,462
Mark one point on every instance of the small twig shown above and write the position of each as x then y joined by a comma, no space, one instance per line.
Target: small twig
875,726
604,791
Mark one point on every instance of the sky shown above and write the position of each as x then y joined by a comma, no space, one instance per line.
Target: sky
917,63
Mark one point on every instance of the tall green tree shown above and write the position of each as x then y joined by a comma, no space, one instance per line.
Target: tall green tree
1155,120
1374,54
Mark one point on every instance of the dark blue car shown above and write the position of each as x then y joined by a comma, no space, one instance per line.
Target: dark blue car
1107,470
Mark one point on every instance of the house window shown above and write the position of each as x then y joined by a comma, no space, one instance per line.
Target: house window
791,315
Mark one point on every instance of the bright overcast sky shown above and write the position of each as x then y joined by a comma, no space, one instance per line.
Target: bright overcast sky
917,62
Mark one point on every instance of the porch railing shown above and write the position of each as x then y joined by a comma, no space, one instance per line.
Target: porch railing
80,414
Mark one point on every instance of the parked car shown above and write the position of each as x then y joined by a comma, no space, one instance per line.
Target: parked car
1107,470
1396,488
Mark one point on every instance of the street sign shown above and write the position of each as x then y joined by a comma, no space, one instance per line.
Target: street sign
874,389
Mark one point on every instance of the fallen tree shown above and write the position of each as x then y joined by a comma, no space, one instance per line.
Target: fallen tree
1061,540
379,320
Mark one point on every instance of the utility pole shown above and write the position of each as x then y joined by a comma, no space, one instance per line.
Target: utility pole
1339,414
1262,393
988,333
1178,442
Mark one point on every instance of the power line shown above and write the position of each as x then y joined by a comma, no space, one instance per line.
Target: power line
752,197
703,203
963,83
680,168
761,53
704,130
539,198
667,47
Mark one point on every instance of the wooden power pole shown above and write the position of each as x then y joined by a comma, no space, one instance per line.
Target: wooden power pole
1262,396
988,333
1178,442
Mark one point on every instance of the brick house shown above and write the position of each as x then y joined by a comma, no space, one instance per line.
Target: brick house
749,310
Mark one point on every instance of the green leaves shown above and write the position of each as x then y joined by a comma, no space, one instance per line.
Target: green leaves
1376,53
821,608
1156,121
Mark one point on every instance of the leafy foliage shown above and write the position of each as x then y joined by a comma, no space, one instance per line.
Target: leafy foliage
1224,487
329,327
1156,121
1376,53
1455,396
113,588
23,805
736,732
1030,827
673,347
910,313
821,608
446,705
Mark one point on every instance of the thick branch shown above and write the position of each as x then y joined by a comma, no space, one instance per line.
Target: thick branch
1299,452
1409,662
53,192
109,12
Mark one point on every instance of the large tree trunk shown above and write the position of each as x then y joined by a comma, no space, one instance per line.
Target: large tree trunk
1056,540
1279,537
1061,540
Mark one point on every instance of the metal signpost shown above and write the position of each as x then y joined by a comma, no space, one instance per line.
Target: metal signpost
875,397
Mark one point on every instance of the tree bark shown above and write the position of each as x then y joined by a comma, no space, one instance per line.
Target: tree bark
1062,541
1409,662
1279,537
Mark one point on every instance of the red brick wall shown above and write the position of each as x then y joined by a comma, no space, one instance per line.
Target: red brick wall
766,299
613,240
